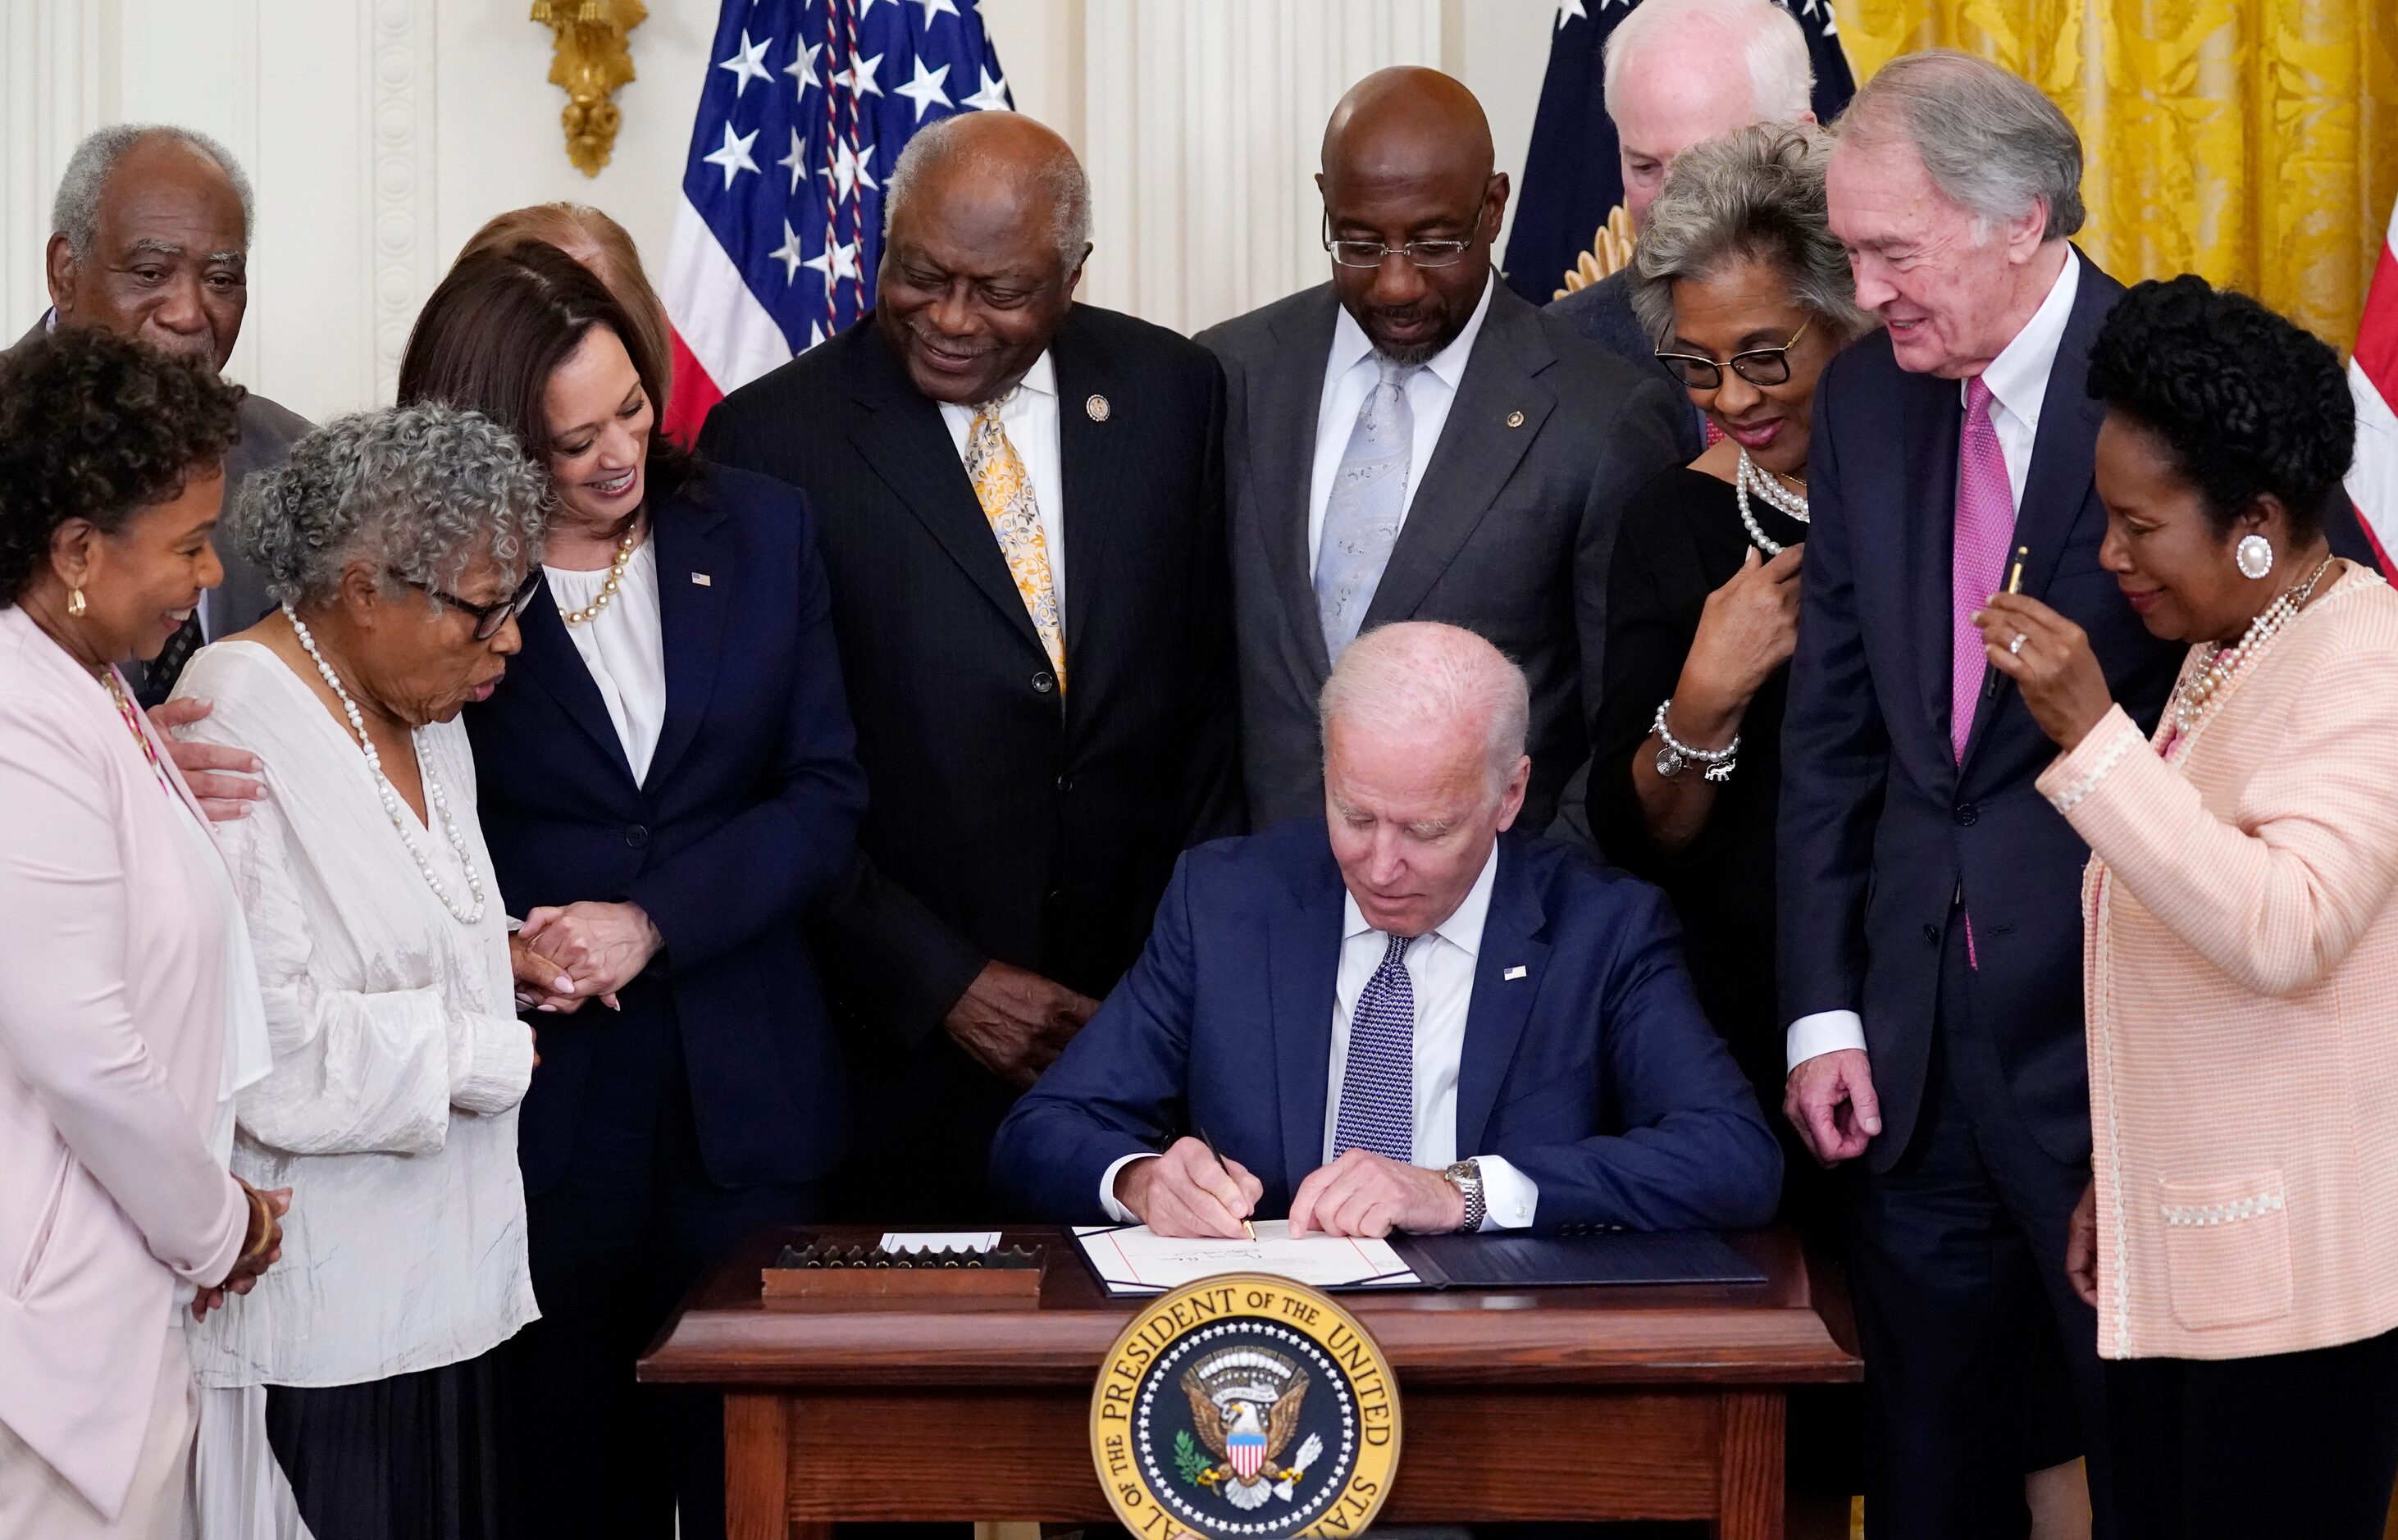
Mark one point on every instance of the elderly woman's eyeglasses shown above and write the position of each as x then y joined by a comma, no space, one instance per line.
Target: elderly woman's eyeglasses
1369,253
489,618
1759,366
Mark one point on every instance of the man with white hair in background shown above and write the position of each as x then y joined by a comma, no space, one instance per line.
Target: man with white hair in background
150,239
1930,926
1677,73
1401,1017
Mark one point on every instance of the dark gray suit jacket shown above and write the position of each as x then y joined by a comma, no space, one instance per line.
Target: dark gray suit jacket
1510,532
1602,312
267,431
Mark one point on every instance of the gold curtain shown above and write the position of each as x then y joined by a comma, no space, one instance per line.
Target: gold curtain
2252,141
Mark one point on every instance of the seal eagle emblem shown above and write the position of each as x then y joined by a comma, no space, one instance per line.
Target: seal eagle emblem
1245,1405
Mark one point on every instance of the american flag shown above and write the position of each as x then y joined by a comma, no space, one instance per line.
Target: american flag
2373,380
807,106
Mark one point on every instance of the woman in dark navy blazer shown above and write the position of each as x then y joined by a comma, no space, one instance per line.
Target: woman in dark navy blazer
667,778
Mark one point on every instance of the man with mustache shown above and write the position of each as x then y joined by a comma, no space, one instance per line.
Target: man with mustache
1412,441
1020,509
150,239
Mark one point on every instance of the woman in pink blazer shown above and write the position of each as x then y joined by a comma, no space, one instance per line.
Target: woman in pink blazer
129,1011
2240,1238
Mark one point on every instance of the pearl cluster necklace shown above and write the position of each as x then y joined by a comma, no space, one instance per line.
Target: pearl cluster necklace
1748,479
2202,689
392,806
615,580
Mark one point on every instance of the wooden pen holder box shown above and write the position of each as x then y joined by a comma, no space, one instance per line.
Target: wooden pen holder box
838,1276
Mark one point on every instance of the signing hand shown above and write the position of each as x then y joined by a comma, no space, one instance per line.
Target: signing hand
1748,629
225,781
1186,1192
264,1249
1370,1194
603,947
1016,1023
1830,1101
2081,1247
2054,666
541,983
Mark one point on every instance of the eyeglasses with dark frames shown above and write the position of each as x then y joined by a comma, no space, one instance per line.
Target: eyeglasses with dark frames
1759,366
1369,253
489,618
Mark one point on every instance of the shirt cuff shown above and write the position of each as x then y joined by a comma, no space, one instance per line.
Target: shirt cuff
1108,1203
491,1071
1509,1196
1825,1032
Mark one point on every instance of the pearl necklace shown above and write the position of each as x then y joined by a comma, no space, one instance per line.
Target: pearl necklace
389,795
2202,689
615,580
1748,479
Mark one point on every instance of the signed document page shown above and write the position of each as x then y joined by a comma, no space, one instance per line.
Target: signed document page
1130,1260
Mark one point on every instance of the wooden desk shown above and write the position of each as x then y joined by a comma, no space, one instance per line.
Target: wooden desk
1572,1403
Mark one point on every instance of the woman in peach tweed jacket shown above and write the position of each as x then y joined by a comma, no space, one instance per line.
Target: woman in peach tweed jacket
2239,1239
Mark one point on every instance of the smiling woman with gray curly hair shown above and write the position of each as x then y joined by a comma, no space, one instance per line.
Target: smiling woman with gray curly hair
402,545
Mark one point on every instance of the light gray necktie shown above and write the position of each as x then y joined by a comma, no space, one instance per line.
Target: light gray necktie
1369,498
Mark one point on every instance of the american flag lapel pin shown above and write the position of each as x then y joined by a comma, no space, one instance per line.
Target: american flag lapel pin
703,579
1515,972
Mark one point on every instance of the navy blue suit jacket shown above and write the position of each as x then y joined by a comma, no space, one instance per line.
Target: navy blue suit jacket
1594,1073
748,810
1881,829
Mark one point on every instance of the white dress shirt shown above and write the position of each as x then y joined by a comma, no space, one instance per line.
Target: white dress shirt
1351,371
625,647
1029,415
398,1061
1440,971
2018,382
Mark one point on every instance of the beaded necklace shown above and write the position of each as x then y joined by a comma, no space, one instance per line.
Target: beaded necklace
2202,689
615,580
1746,478
133,724
389,795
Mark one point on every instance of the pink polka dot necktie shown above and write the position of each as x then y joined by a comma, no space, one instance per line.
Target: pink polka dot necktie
1986,522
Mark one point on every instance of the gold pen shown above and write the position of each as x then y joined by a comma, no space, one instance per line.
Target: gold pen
1218,1156
2014,573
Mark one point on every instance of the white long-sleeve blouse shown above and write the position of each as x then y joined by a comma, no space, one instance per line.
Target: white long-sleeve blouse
399,1060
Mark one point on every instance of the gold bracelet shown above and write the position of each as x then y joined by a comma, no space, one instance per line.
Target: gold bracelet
265,1213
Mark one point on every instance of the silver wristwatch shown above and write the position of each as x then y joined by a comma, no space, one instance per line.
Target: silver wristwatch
1466,1177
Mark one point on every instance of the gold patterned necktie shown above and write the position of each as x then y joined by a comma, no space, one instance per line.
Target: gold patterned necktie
1005,493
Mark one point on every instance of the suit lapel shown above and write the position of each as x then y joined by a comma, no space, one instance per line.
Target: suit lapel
550,658
908,446
1303,967
1091,451
1477,452
1281,413
691,622
1500,1006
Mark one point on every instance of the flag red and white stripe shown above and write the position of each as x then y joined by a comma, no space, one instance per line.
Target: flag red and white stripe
2373,380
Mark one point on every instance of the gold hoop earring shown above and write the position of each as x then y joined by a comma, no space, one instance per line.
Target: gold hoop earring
75,605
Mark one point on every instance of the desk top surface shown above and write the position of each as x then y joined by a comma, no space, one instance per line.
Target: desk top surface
1774,1332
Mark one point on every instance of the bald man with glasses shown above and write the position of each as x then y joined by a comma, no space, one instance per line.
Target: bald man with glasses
1412,441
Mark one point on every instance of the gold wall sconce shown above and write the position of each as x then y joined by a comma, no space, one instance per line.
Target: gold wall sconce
592,56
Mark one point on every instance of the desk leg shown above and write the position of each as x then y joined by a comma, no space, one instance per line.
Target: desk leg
1750,1506
758,1470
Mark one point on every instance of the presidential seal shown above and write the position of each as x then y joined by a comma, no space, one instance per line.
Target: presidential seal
1245,1405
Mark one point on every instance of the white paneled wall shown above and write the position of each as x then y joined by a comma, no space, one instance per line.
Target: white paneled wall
380,133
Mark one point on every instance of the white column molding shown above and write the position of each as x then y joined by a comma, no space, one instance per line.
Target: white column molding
1202,124
399,152
55,83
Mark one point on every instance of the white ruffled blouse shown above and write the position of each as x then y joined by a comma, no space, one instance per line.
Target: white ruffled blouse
398,1061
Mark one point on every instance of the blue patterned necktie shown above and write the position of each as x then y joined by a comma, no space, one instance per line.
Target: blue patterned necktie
1370,499
1377,1084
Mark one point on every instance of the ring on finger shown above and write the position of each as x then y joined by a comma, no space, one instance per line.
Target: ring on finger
2016,647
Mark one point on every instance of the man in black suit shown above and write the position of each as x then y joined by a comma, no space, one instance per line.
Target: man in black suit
1675,72
150,239
1020,507
1412,441
1929,928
